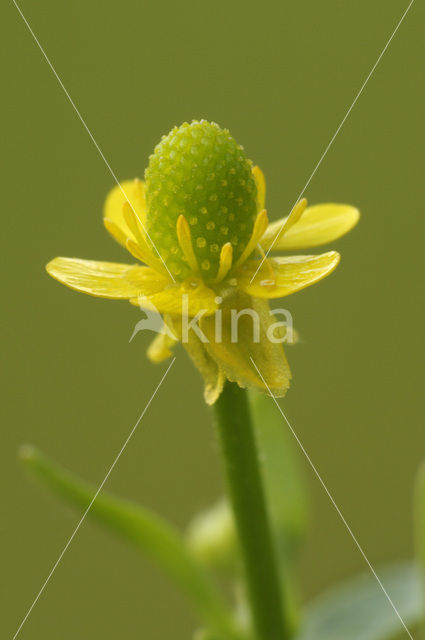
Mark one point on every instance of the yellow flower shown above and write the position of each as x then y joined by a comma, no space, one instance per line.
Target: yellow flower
210,261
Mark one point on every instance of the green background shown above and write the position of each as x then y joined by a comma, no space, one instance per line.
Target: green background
280,76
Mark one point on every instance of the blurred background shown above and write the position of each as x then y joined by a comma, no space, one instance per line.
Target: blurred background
280,76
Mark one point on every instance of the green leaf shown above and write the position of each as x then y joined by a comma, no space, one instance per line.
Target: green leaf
286,495
150,533
359,610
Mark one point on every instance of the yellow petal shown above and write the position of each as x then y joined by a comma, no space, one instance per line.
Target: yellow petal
212,374
190,297
234,350
104,279
142,251
261,187
292,219
116,232
291,274
133,222
175,325
160,348
318,225
133,192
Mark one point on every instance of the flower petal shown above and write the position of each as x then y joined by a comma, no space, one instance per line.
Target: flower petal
160,348
212,374
133,192
142,251
105,279
254,342
291,274
187,298
318,225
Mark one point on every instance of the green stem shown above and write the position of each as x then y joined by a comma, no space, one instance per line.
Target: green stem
246,492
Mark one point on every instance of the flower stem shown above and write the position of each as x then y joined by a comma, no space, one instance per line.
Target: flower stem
246,493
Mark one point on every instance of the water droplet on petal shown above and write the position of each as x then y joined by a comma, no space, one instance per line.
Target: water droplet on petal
268,283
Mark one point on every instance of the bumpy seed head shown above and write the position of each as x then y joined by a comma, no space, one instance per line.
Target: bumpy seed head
199,170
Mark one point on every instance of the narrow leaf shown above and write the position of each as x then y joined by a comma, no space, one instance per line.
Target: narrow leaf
284,487
285,491
150,533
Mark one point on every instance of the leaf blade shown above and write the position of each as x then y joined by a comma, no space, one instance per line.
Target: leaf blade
286,494
147,531
359,609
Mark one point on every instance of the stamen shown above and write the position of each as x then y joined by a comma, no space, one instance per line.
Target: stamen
143,252
139,249
132,221
226,257
267,264
261,186
293,217
260,225
185,241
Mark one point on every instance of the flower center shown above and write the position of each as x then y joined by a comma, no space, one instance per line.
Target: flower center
199,171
